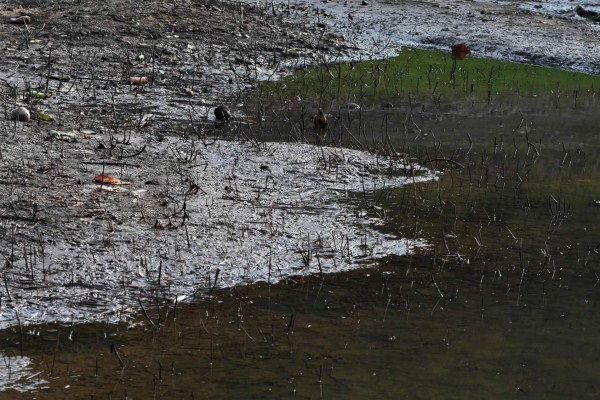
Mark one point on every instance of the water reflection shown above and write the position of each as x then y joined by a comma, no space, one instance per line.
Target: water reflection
376,333
17,374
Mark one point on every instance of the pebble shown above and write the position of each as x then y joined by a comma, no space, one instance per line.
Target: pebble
222,113
23,19
20,114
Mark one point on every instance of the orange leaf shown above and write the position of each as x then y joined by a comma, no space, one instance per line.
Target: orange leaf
109,180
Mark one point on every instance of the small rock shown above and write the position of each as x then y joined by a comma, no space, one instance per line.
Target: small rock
23,19
20,114
582,12
222,114
587,14
388,105
353,106
364,3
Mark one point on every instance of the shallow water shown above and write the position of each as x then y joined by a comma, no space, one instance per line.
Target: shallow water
383,333
16,374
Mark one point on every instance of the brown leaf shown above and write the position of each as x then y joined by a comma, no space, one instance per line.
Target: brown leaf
138,80
109,180
460,51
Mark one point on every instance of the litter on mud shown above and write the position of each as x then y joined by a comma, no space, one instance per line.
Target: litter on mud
109,180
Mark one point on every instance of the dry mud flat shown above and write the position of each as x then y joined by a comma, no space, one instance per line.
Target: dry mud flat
191,212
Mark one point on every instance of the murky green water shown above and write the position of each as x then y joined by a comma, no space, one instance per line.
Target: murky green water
382,333
503,304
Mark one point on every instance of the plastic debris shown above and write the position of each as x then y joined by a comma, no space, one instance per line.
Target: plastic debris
67,136
320,121
41,116
23,19
38,95
460,51
60,77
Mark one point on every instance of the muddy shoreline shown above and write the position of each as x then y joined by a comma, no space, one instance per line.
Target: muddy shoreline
532,32
74,250
192,212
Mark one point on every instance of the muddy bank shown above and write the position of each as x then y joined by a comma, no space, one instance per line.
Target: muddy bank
541,33
190,212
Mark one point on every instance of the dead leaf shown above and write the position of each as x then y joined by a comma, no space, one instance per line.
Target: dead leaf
460,51
109,180
193,189
138,80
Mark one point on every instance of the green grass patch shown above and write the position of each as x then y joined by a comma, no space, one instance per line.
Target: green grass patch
425,72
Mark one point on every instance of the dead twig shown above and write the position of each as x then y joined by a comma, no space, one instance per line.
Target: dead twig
446,160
